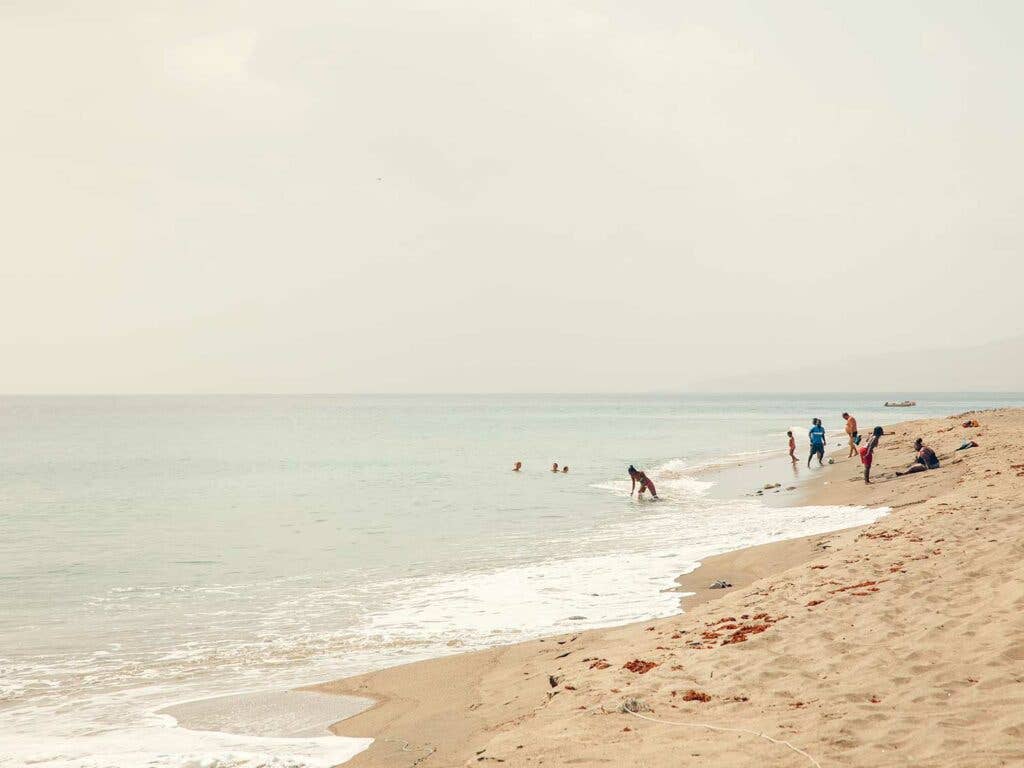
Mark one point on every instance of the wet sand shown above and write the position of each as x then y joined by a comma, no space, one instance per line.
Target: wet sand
277,714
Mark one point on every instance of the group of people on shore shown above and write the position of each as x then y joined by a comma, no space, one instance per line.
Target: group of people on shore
926,457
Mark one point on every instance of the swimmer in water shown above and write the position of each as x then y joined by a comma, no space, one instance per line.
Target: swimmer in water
554,467
518,466
645,482
565,469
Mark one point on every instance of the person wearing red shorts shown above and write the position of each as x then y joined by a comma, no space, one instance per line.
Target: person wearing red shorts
867,453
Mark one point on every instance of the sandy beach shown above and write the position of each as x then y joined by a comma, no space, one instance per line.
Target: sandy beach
899,643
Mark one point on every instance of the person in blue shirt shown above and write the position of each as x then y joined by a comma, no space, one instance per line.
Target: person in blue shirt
817,435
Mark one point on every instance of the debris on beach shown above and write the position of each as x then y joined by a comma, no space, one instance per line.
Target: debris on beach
741,633
639,666
692,695
633,706
861,585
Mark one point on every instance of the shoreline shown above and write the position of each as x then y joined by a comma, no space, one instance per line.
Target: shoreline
535,701
306,706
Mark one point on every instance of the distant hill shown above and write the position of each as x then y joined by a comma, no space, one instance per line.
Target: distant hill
994,367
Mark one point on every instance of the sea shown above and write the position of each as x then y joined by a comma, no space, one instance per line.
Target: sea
162,549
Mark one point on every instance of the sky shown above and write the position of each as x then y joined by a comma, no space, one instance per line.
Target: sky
463,196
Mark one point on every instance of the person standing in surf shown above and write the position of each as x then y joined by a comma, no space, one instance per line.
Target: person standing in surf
645,482
817,436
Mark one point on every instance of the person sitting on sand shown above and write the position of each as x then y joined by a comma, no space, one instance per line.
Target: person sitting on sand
518,466
867,453
792,446
645,482
926,459
554,467
565,469
817,435
851,430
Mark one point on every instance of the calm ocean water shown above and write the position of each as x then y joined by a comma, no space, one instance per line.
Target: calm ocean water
157,549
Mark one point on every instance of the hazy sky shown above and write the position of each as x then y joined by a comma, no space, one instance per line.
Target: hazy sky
481,196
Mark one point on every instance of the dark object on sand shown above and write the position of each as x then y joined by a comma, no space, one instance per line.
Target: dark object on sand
720,584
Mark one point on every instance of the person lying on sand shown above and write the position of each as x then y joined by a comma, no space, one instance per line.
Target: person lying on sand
926,459
867,453
792,446
851,431
817,436
645,482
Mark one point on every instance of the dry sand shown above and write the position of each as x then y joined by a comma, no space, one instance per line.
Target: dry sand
897,644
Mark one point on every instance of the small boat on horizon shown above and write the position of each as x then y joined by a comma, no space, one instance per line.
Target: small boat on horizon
901,404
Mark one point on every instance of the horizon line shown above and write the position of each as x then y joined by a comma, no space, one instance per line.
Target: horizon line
487,393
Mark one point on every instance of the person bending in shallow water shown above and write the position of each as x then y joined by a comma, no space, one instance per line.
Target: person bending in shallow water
645,482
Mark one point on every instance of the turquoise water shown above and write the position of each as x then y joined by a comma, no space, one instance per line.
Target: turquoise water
154,549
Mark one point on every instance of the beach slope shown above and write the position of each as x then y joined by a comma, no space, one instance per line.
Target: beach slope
900,643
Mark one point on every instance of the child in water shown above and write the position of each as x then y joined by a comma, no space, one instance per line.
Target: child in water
792,446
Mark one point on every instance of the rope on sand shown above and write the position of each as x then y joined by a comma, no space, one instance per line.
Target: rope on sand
734,730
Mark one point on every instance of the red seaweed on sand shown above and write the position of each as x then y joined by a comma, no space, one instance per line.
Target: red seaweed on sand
692,695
